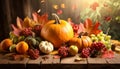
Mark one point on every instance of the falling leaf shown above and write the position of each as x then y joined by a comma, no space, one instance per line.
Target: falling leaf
62,5
59,12
74,7
42,1
94,5
107,18
105,5
55,7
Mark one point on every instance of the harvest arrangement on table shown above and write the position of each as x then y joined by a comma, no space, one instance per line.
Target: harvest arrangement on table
38,36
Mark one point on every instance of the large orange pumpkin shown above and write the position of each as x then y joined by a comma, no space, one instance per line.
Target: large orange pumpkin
81,42
57,31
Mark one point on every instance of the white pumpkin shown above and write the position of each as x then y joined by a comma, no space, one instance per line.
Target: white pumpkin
46,47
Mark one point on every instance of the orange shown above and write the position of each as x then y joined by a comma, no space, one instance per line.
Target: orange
5,44
22,47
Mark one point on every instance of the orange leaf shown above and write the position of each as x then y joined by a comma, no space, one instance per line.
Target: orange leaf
43,19
91,28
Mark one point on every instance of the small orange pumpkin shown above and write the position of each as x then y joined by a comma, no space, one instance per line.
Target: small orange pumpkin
57,31
81,42
22,47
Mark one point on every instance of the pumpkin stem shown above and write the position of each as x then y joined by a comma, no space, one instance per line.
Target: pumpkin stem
83,34
57,19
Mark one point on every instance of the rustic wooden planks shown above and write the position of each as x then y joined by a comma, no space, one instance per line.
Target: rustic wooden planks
69,63
114,63
96,63
49,62
18,64
34,64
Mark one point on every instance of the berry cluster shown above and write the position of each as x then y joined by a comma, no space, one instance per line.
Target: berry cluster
85,52
63,51
26,32
33,53
37,29
97,48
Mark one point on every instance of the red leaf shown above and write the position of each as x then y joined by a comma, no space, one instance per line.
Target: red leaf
59,12
108,54
107,18
16,30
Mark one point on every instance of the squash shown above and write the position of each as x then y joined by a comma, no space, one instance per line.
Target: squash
30,41
22,47
46,47
81,42
57,31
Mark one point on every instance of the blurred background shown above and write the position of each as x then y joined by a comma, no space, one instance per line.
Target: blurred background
107,12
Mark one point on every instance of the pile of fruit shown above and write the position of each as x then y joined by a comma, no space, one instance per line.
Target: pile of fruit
37,36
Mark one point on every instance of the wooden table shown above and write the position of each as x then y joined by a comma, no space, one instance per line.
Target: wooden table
56,63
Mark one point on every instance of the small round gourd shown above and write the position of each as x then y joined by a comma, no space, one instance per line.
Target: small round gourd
46,47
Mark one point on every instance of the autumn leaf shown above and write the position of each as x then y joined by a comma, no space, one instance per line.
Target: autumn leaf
91,28
59,12
94,5
16,30
87,26
41,19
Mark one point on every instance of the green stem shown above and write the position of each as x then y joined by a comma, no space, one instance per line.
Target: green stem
57,19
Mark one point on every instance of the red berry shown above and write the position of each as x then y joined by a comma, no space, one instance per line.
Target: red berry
37,29
63,51
97,46
85,52
33,53
26,32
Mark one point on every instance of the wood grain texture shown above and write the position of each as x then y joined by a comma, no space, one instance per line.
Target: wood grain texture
33,64
48,62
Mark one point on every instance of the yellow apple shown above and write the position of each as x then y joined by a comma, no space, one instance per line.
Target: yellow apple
73,50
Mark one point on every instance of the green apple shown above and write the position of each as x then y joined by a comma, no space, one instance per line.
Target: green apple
12,48
73,50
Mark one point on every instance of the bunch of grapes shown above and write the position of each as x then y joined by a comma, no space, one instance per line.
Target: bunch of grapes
97,48
33,53
37,29
26,32
63,51
85,52
101,37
